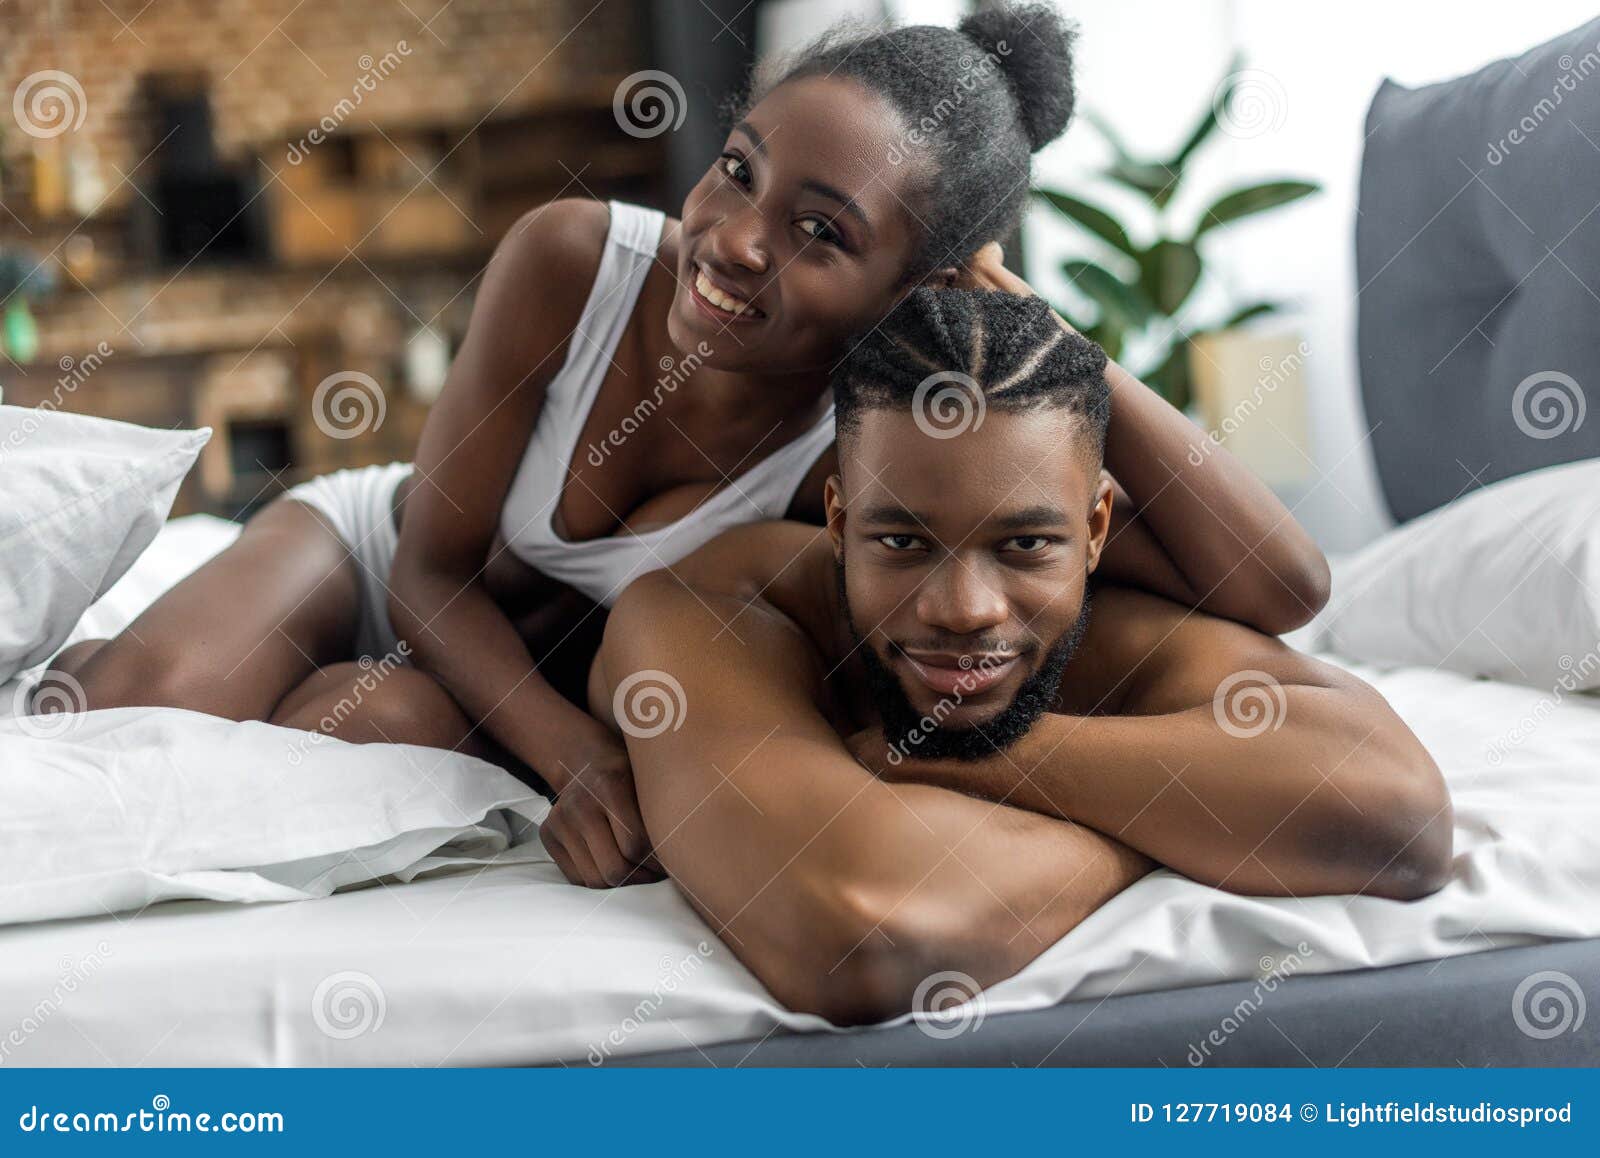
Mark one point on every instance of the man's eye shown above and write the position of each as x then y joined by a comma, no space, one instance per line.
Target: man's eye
900,542
734,166
1029,544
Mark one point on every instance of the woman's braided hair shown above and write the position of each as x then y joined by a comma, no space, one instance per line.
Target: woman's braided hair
974,101
1011,350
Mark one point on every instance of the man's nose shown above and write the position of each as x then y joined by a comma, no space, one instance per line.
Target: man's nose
958,600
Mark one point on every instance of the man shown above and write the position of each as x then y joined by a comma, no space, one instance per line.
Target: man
903,744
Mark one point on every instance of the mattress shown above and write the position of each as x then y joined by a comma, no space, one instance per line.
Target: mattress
508,964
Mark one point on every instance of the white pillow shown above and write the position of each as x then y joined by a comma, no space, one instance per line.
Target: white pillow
80,498
112,810
1504,582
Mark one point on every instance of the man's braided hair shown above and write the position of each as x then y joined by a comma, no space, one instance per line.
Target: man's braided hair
1011,349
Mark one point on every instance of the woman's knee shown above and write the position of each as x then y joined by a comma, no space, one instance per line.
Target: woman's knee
364,703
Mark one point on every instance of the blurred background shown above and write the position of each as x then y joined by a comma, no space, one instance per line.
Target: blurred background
269,216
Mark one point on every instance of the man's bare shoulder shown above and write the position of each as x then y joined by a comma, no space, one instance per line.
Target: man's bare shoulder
1143,654
785,565
732,645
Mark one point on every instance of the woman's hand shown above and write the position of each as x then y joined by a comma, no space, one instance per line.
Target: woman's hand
986,270
595,832
1188,521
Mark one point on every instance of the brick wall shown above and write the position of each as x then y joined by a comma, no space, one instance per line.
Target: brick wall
497,91
276,67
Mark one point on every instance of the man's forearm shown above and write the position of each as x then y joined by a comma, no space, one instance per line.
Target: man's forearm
1313,807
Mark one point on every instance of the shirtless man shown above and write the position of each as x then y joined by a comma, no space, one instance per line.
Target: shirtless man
901,744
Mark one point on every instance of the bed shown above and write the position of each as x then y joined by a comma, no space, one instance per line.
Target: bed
474,951
486,956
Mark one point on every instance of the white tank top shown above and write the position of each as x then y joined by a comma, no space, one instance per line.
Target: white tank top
601,568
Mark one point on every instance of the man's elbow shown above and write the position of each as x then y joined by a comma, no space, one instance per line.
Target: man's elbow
1412,838
1421,865
865,956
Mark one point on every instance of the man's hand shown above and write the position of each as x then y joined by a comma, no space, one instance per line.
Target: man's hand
594,832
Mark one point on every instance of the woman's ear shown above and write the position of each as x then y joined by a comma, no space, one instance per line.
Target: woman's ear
834,504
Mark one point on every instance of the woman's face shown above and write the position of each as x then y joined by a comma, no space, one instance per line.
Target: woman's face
799,234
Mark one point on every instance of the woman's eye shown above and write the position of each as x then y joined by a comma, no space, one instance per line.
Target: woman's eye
820,230
900,542
733,166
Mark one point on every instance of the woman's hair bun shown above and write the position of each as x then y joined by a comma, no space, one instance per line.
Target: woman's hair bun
1034,47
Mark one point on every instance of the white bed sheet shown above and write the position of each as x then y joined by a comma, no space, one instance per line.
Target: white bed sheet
509,964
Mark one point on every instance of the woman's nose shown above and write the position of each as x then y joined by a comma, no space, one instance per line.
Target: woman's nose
740,240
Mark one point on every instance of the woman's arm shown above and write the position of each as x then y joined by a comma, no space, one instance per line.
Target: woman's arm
1211,535
531,298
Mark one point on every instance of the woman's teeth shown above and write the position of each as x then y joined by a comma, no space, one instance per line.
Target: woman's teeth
722,301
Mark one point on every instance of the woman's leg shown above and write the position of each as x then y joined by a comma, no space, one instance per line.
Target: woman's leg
240,633
379,704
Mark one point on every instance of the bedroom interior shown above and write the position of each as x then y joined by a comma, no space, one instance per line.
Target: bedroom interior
1375,285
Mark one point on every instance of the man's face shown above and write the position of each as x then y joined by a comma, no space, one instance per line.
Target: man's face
964,569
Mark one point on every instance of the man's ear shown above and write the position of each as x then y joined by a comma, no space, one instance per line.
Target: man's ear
833,504
1099,520
947,278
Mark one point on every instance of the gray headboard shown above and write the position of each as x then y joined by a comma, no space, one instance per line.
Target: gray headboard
1478,266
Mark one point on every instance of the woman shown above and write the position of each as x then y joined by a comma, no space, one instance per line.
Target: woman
630,386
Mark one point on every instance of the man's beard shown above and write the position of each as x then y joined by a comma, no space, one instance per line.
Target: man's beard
923,737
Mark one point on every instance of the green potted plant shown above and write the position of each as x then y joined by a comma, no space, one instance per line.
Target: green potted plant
1143,287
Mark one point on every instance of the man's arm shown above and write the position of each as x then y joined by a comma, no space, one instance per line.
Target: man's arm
1233,760
839,891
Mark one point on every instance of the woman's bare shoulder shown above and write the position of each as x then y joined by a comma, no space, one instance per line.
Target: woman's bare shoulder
561,240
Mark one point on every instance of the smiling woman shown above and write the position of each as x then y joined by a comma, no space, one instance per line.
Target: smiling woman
875,162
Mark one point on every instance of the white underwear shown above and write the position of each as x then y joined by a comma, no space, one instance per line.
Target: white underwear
359,503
